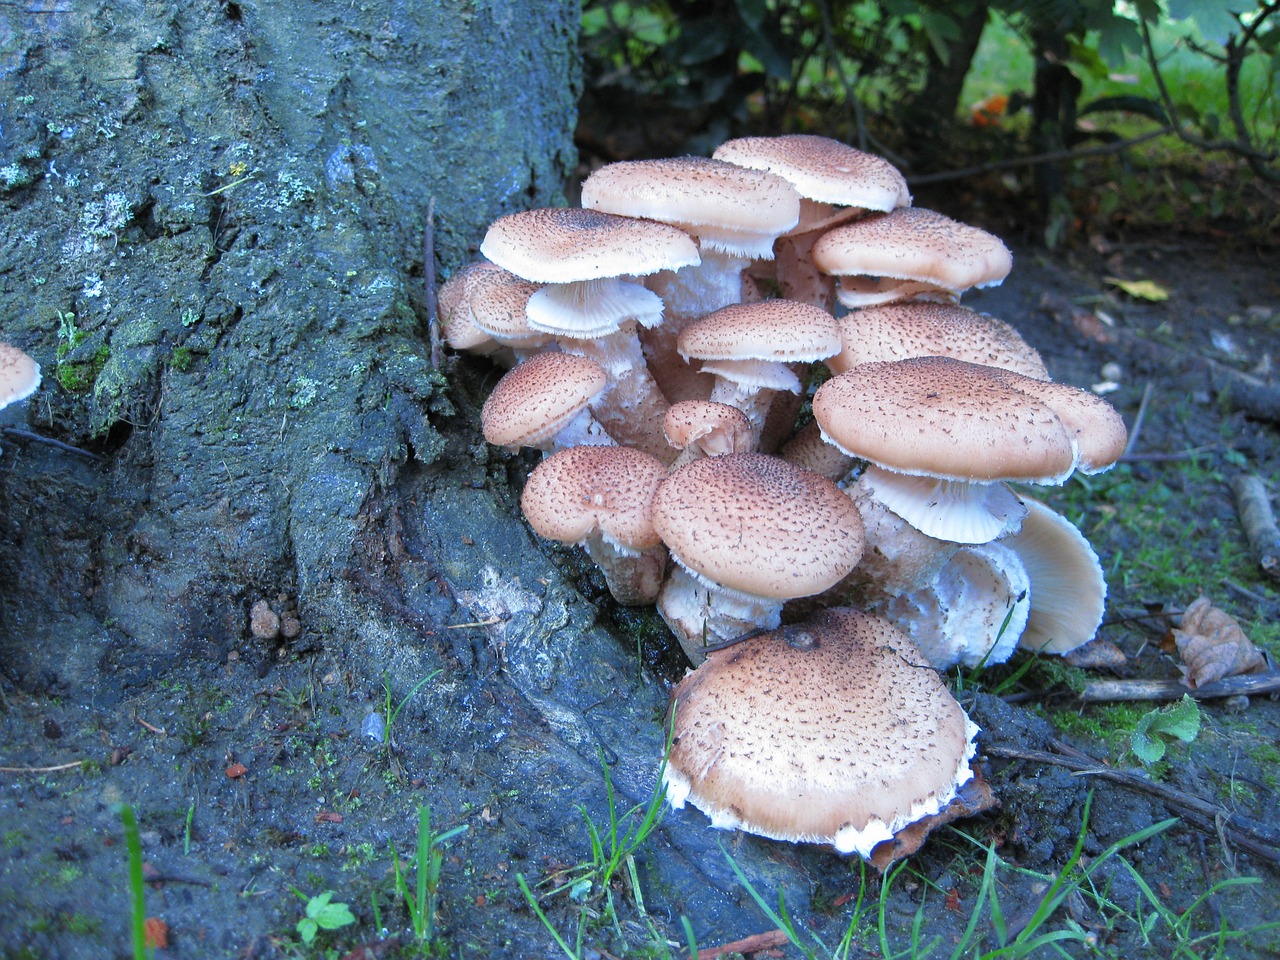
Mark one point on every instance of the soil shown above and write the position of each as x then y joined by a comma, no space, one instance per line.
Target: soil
212,243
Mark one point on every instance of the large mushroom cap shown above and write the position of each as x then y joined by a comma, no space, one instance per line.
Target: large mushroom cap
898,331
834,731
777,330
729,208
19,375
569,244
914,244
759,525
583,491
939,417
538,397
822,169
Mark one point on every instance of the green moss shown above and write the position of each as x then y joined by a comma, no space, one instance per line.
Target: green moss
180,359
80,376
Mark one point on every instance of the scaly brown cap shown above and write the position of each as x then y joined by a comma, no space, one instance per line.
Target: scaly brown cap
832,731
535,399
19,375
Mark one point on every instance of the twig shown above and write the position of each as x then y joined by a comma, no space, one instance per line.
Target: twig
1254,506
1258,838
54,769
1245,684
21,434
752,944
429,280
1138,419
1055,156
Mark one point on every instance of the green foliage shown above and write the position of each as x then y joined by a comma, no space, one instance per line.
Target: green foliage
1159,727
322,914
137,888
421,902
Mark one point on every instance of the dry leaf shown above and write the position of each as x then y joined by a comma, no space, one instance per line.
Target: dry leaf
156,933
1212,645
1140,289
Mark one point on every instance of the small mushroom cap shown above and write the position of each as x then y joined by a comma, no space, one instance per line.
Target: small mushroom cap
833,731
822,169
898,331
716,428
730,208
498,300
759,525
912,243
536,398
1096,428
939,417
1068,588
778,330
569,244
583,491
19,375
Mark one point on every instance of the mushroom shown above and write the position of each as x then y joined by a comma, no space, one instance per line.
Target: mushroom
832,731
599,498
1068,589
580,257
836,183
702,428
19,375
943,437
543,403
972,613
748,532
897,331
909,253
749,346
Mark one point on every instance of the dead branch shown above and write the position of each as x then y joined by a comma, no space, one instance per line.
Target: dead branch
1261,840
1259,523
747,945
1246,684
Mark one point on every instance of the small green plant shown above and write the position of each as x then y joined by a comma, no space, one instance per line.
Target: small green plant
611,850
421,902
322,914
137,888
1160,727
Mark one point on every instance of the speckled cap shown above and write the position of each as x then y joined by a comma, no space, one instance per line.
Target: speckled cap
940,417
498,300
535,399
911,243
569,244
779,330
898,331
582,491
716,428
822,169
759,525
19,375
1096,429
832,731
728,207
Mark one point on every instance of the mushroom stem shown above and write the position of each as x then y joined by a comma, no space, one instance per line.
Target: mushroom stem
634,577
702,613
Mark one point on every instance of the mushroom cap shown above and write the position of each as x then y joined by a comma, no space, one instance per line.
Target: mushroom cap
822,169
730,208
584,491
940,417
912,243
568,244
777,330
19,375
716,428
498,300
1095,427
897,331
833,731
759,525
1068,589
536,398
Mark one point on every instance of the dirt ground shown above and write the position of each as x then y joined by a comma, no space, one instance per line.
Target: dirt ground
259,770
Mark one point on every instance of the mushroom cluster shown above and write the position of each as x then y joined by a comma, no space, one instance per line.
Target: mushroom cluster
660,342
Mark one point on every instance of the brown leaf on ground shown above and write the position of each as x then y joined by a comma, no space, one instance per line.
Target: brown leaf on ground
1213,645
156,933
974,796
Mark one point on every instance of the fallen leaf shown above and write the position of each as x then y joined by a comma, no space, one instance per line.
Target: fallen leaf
237,770
952,901
156,933
328,816
1140,289
1213,645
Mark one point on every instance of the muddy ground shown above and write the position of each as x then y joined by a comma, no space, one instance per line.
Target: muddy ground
256,771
